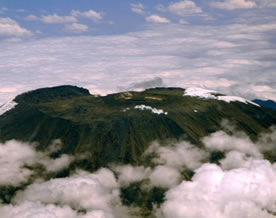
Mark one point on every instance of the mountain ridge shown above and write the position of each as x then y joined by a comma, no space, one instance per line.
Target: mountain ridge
120,127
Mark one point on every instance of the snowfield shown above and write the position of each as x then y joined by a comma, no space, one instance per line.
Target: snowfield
7,106
153,110
210,94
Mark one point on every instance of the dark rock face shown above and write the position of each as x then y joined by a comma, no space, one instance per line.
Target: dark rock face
110,129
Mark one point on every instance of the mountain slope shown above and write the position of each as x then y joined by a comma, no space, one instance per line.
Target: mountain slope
120,127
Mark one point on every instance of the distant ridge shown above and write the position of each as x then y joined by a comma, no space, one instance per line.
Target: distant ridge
266,103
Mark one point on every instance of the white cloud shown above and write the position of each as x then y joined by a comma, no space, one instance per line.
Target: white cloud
90,14
220,141
97,191
129,174
154,18
36,209
137,8
76,27
9,27
234,4
32,17
184,8
179,155
16,158
243,192
54,18
164,177
196,55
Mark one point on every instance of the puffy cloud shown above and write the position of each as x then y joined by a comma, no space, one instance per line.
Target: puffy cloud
17,160
220,141
36,209
90,14
243,192
14,156
9,27
76,27
137,8
178,155
97,191
154,18
164,177
234,4
54,18
184,8
129,174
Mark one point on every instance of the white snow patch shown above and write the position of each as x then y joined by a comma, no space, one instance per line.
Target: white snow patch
7,106
235,98
153,110
205,93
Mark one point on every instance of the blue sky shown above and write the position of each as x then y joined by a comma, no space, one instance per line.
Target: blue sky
108,46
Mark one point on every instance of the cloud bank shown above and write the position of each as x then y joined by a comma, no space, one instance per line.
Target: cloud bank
240,183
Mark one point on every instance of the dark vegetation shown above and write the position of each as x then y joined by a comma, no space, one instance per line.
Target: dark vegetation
99,131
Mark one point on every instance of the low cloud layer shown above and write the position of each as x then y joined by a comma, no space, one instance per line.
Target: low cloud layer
19,160
240,183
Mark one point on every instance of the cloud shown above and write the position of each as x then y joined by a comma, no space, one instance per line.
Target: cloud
18,160
184,8
81,191
164,177
266,3
90,14
216,57
220,141
152,83
129,174
76,27
32,17
178,155
54,18
9,27
243,192
234,4
3,10
137,8
154,18
37,209
14,156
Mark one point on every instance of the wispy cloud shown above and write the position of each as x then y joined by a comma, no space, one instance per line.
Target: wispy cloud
54,18
76,27
137,8
184,8
90,14
9,27
234,4
154,18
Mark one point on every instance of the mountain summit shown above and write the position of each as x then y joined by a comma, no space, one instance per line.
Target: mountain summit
118,128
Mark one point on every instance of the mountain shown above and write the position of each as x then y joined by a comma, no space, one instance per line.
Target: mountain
268,103
106,152
118,128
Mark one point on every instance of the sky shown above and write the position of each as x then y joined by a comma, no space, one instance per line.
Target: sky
109,46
